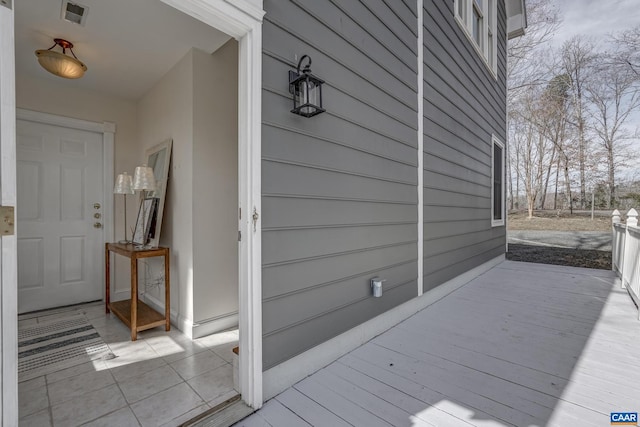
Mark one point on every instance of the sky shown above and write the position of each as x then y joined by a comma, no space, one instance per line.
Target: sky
596,18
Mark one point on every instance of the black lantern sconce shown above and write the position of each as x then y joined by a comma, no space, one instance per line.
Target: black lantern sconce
306,89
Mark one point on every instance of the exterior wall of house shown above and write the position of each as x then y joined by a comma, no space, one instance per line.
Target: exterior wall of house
339,202
463,106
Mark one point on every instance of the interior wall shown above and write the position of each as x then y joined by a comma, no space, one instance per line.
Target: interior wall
166,111
45,96
195,104
215,189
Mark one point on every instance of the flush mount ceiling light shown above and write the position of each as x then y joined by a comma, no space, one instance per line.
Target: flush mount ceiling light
61,64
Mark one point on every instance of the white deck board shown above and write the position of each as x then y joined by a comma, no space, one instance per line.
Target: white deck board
314,413
276,414
343,408
522,344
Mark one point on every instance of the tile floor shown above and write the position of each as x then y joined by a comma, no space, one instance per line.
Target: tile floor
162,379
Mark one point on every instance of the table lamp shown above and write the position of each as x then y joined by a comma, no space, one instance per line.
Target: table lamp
143,181
124,185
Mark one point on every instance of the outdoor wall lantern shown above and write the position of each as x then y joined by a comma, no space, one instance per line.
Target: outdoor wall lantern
306,89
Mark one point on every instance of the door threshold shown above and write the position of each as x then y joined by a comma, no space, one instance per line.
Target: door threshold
225,414
57,310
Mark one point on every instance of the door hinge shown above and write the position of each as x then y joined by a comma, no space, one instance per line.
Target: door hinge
7,220
7,3
239,236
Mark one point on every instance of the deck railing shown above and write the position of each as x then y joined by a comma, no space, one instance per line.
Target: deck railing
625,252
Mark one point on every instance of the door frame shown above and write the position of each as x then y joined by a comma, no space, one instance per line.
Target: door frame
242,19
108,130
8,246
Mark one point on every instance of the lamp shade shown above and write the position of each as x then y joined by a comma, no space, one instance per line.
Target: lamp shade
143,178
61,64
124,184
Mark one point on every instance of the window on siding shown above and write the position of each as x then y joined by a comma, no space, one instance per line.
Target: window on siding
478,20
497,183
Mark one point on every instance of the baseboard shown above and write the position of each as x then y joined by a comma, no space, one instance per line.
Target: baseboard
206,327
191,329
283,376
184,324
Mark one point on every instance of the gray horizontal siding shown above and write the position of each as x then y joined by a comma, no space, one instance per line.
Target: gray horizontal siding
302,179
301,275
339,190
329,297
325,326
343,131
450,264
463,106
285,245
307,213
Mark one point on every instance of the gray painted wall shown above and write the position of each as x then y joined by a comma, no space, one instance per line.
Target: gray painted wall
463,106
339,190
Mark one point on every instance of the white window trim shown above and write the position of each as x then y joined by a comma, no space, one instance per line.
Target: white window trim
498,222
467,25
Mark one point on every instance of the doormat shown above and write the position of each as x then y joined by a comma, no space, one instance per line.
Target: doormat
58,344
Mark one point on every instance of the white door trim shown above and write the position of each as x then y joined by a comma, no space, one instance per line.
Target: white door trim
243,20
108,130
8,247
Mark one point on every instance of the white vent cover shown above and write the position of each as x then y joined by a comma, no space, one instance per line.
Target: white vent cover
74,12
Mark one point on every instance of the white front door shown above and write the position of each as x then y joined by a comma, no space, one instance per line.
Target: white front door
59,215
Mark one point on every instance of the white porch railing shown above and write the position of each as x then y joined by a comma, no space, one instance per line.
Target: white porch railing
625,252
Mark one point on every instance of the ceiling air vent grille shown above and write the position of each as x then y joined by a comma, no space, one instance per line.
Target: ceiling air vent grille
74,12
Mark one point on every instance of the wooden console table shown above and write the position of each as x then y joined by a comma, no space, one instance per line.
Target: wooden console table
134,313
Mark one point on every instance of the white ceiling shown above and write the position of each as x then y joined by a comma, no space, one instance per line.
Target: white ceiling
127,45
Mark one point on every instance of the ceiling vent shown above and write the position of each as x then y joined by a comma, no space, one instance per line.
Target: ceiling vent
74,12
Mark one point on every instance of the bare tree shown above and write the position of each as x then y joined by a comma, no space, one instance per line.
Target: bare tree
553,124
535,152
524,69
577,60
627,52
614,94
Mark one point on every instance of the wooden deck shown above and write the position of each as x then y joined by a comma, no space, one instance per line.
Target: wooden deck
524,344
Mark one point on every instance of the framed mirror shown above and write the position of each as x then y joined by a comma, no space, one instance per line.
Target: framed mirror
159,159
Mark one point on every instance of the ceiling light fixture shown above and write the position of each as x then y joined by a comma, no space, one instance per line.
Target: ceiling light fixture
61,64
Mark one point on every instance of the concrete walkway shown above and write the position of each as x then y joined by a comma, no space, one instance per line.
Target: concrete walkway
523,344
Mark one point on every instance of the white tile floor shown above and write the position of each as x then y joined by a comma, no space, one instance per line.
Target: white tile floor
162,379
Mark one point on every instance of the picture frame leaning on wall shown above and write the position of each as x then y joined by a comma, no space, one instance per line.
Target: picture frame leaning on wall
145,220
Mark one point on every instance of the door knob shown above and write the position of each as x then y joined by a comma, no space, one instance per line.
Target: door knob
96,206
97,225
